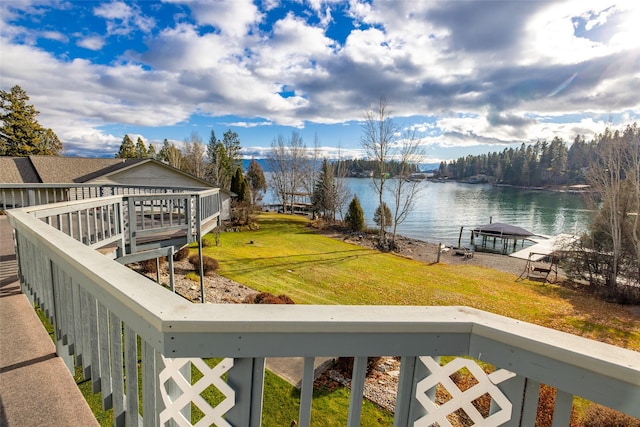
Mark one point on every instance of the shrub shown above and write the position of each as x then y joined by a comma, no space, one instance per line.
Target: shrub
181,254
148,265
192,276
355,215
344,365
268,298
600,416
284,298
209,265
381,210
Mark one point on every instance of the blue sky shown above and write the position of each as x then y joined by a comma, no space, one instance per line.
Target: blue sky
468,76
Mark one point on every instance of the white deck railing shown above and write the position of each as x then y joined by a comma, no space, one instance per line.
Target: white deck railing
100,309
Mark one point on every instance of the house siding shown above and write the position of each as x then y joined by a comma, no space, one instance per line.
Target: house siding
149,174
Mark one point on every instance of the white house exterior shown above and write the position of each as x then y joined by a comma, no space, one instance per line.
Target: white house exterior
105,171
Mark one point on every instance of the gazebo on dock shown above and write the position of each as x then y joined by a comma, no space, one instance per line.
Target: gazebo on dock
506,233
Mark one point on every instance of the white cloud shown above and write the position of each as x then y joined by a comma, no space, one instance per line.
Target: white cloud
233,17
122,19
91,43
54,35
441,60
248,124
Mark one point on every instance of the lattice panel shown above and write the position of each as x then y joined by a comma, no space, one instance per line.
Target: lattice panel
191,393
462,400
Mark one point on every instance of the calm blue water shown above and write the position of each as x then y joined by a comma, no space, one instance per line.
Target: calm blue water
442,208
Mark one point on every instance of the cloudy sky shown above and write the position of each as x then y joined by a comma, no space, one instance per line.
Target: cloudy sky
468,76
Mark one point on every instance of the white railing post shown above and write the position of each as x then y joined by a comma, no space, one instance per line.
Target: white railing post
306,392
246,378
199,237
104,356
117,371
514,390
358,375
132,415
149,387
86,334
408,409
59,315
133,226
562,409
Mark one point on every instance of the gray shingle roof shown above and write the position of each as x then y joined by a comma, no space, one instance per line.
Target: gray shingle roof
54,169
17,170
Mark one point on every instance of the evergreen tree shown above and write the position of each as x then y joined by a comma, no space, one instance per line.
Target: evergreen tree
127,149
48,144
240,186
324,192
21,134
162,154
141,149
223,158
170,154
355,215
151,152
242,203
378,216
257,181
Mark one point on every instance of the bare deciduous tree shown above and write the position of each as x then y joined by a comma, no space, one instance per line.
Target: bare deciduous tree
405,191
378,142
287,161
632,175
615,230
193,156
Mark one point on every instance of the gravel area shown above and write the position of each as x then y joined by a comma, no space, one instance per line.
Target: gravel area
218,289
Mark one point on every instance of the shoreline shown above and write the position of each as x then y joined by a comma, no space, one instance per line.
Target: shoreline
424,251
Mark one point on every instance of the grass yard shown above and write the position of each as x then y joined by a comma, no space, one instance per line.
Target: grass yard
286,256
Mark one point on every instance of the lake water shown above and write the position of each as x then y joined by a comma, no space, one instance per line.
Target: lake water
442,208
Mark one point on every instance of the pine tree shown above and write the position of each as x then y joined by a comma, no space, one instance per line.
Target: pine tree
257,181
240,186
324,195
377,216
141,149
163,153
223,158
242,204
127,149
21,134
355,215
151,152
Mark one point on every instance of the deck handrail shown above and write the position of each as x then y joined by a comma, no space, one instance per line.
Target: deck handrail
92,299
32,194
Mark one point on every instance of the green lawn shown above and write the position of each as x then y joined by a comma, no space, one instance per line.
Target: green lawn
286,256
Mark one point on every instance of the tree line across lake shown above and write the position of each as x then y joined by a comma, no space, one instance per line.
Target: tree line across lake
530,165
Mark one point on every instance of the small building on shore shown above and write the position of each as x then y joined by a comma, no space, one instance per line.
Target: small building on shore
499,238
